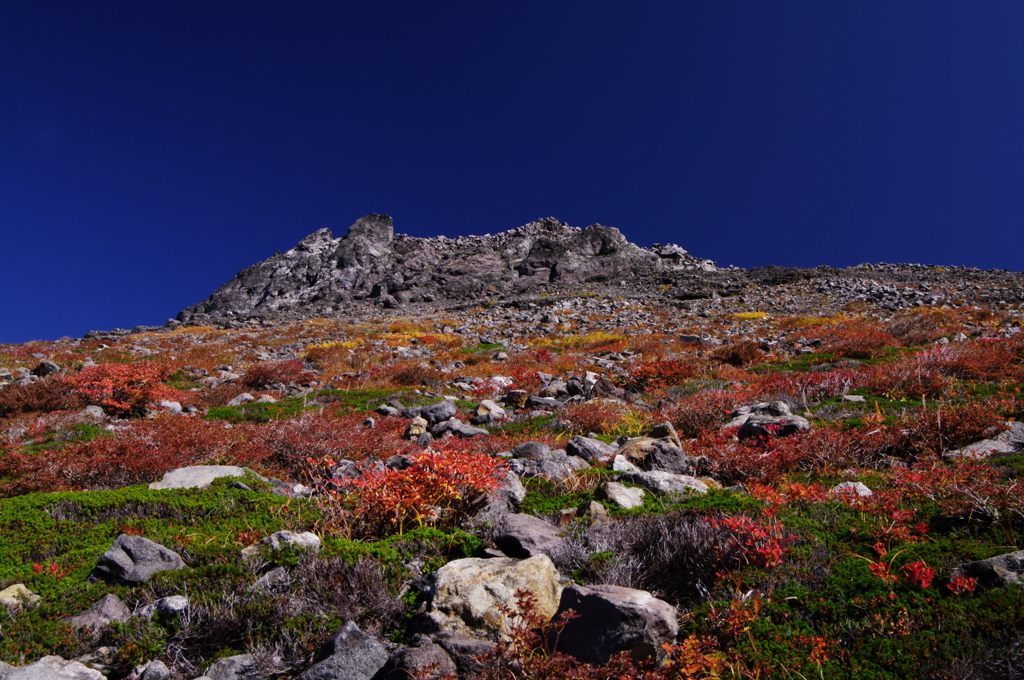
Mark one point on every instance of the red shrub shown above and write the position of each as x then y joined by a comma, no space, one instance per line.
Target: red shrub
982,359
43,395
439,486
698,413
642,376
808,386
597,417
751,460
139,454
945,427
312,435
857,340
267,373
122,389
962,489
907,378
739,353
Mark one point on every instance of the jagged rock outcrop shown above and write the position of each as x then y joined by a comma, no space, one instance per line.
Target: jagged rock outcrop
371,262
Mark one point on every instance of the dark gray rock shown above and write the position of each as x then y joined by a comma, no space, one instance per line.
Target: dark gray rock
665,457
439,412
465,651
134,559
544,403
164,609
768,426
156,670
532,451
238,667
428,660
614,619
605,389
521,536
373,263
108,608
593,450
45,368
350,655
1002,570
386,410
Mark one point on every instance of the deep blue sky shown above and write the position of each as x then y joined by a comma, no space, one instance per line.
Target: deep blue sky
150,150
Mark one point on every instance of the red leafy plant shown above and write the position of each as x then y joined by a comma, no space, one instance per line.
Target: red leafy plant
643,376
439,486
761,543
267,373
122,389
141,453
920,574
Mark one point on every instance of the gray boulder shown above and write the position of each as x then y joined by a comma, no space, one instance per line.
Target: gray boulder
155,670
532,451
45,368
238,667
439,412
425,661
614,619
35,671
350,655
465,651
165,608
242,398
523,536
108,608
661,483
858,489
134,559
769,426
197,476
1001,570
986,448
626,497
593,450
60,667
1013,436
503,500
281,540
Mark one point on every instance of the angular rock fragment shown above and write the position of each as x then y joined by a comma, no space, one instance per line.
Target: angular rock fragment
134,559
351,654
614,619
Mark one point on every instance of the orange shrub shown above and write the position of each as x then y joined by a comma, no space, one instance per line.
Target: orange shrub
906,378
440,486
122,389
267,373
642,376
739,353
142,453
982,359
42,395
857,340
696,414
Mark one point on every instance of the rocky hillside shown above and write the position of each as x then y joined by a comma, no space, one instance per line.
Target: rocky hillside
547,453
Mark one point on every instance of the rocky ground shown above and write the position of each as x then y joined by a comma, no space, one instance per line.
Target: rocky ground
544,452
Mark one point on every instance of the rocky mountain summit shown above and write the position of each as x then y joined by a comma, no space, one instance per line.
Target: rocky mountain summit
372,263
371,269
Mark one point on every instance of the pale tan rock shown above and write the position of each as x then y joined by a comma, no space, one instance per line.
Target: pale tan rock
468,593
18,596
